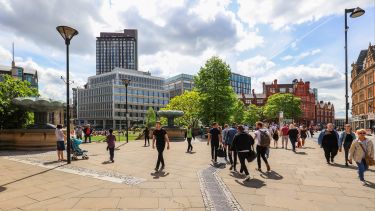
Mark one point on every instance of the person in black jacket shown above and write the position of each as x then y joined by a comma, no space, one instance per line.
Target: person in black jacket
242,143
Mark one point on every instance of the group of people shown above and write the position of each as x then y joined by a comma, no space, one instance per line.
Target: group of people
359,149
236,142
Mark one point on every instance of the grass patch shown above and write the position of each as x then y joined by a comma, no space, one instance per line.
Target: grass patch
132,137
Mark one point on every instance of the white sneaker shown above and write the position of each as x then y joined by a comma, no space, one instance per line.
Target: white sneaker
247,178
364,183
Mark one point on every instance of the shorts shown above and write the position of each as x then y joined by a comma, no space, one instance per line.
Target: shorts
60,145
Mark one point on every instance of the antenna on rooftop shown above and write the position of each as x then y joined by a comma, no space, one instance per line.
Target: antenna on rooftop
13,63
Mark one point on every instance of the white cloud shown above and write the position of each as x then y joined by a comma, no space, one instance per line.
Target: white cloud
208,9
301,56
255,66
279,14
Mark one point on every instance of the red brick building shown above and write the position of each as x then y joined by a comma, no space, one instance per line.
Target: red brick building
299,89
324,112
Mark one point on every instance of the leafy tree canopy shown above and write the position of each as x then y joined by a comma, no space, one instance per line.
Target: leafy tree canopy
188,102
216,95
12,116
287,103
150,117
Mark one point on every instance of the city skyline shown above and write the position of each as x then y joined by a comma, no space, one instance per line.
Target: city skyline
179,36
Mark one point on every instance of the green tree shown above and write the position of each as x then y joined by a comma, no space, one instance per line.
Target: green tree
287,103
188,102
238,112
12,116
216,95
150,117
252,114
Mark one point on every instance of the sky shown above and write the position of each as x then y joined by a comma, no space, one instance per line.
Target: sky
266,40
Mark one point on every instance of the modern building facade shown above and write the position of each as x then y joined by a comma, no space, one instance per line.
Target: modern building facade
339,123
23,74
325,113
117,50
102,102
178,84
362,85
241,84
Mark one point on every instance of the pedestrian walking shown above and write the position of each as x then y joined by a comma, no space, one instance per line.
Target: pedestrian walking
362,152
87,131
275,136
263,137
232,153
111,139
329,141
223,135
293,136
242,143
60,145
345,140
284,136
312,131
189,135
214,137
160,136
201,131
303,132
146,132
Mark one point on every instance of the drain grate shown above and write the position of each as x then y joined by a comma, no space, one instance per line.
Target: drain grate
216,194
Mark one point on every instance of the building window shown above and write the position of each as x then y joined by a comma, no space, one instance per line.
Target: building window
282,90
369,93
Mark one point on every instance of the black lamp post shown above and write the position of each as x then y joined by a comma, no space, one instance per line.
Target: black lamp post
126,83
354,13
67,34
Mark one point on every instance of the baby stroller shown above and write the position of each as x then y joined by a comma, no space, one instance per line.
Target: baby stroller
76,151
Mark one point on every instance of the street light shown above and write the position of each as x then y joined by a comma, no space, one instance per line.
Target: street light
354,13
67,33
126,83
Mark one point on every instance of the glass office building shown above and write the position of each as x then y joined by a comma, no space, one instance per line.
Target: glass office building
117,50
178,84
241,84
102,102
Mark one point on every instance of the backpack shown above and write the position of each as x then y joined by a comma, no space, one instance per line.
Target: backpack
265,139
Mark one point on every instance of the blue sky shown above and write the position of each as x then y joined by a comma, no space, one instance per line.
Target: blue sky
266,39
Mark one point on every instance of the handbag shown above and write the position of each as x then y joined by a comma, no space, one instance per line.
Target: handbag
220,152
251,155
369,160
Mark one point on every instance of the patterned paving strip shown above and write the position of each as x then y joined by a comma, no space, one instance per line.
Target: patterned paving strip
102,175
216,195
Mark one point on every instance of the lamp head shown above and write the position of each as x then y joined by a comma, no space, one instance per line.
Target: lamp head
357,12
126,81
67,33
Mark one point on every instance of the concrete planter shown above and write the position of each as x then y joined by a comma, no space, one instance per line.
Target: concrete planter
28,139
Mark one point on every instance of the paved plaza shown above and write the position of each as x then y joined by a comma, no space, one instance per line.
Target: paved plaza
302,181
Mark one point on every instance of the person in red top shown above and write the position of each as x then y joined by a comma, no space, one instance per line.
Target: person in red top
87,132
284,134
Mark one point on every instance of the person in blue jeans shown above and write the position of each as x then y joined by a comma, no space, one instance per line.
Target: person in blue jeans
358,151
232,153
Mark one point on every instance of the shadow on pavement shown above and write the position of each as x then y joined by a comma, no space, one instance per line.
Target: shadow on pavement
308,148
218,165
349,167
300,153
157,175
253,183
271,175
237,175
32,175
51,162
107,162
370,184
190,152
2,189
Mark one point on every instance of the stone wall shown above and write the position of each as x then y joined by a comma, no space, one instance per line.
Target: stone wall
28,139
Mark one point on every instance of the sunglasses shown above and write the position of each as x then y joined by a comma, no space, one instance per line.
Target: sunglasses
362,133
